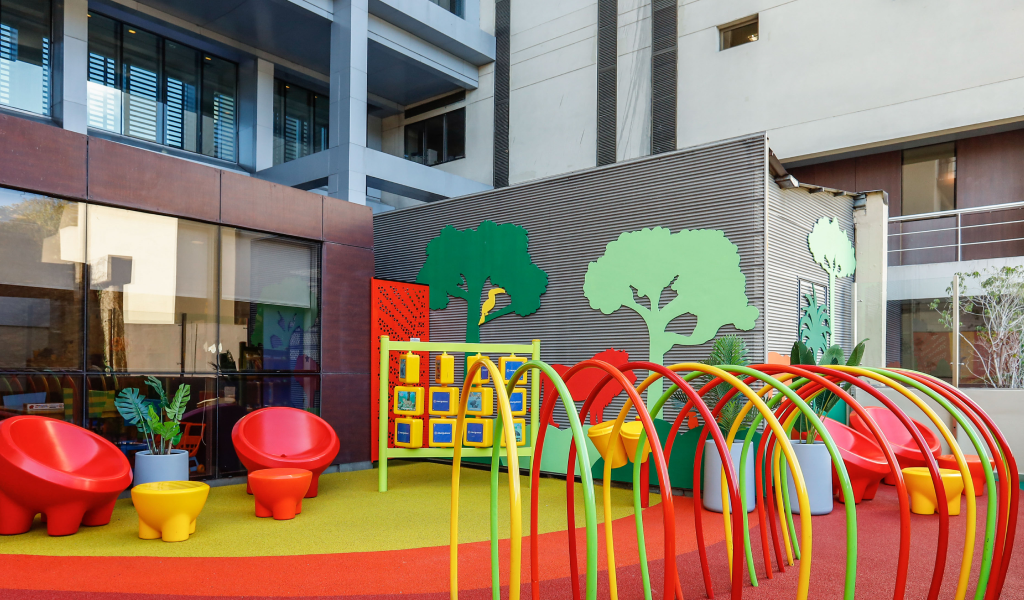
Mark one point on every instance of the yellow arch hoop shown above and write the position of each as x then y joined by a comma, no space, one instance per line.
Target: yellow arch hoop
965,564
515,498
804,579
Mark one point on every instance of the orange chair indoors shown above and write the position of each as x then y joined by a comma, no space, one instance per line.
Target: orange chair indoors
69,474
191,437
280,437
903,446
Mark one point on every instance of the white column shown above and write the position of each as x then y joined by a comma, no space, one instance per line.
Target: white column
871,220
264,114
347,175
69,104
633,81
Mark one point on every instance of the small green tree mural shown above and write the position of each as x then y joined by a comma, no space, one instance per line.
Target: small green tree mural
461,261
831,248
700,267
815,327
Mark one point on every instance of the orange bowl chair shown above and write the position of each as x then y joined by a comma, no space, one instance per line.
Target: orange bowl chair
280,438
69,474
864,461
903,446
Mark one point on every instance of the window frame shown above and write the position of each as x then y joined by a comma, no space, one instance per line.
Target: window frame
956,178
422,125
280,109
734,25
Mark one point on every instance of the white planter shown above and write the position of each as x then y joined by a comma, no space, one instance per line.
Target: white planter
711,488
160,467
816,466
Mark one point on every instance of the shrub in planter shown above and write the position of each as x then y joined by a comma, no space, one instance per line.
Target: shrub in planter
159,421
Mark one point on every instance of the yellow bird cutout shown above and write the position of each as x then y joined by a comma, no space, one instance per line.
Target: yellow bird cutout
489,303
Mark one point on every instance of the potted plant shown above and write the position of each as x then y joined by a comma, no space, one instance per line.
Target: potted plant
811,453
159,421
727,350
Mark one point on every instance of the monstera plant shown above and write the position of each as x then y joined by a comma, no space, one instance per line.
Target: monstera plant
159,419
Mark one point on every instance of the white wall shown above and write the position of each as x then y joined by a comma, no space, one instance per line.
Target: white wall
553,100
832,74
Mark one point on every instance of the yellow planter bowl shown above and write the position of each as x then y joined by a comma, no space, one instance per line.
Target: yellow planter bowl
599,434
630,434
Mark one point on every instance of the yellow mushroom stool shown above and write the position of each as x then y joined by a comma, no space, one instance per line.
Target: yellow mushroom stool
922,492
168,509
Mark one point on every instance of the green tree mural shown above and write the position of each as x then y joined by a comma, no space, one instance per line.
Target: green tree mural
461,261
831,248
662,276
815,327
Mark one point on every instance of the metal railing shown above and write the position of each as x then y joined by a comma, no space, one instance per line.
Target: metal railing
901,242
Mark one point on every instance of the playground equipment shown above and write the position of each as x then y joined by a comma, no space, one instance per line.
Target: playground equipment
69,474
281,437
778,394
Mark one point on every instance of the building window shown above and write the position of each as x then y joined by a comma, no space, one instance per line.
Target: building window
438,139
300,121
95,299
147,87
929,179
738,33
452,6
25,55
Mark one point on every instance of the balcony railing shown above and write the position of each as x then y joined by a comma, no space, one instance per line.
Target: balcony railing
995,231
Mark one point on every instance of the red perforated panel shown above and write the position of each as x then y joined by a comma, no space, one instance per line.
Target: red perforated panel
400,311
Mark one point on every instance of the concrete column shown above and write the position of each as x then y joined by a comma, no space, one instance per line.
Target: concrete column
633,74
471,12
69,100
264,114
871,223
346,174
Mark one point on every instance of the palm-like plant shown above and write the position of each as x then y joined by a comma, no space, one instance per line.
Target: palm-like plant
825,401
727,350
815,324
159,420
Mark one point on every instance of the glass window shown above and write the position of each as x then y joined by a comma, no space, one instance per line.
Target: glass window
160,91
929,179
41,282
737,34
54,395
452,6
152,293
300,121
25,55
198,435
438,139
269,302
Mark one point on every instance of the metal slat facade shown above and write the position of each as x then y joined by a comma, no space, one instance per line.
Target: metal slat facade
664,77
793,213
571,218
502,83
607,72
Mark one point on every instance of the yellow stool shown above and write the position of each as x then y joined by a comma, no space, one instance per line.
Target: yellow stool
168,509
922,491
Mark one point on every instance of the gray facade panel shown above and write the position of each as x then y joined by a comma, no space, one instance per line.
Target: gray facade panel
570,219
792,214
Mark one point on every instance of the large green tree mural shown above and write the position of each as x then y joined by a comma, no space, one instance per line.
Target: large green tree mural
662,276
460,262
831,248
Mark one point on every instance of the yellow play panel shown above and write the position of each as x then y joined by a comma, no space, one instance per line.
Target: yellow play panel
349,515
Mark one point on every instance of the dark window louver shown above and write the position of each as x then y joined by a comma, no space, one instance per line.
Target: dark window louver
502,33
664,61
607,46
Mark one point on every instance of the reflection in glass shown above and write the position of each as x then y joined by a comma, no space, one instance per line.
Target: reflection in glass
103,88
152,293
100,415
269,301
300,122
181,78
219,108
242,394
25,52
53,395
41,282
438,139
929,179
141,56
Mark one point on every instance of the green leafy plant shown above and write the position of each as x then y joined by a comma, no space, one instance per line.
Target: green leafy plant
159,420
815,324
727,350
825,401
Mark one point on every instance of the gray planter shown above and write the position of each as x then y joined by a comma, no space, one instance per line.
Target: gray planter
816,466
711,488
160,467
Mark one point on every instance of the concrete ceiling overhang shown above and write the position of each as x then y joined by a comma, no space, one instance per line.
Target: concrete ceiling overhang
401,79
279,27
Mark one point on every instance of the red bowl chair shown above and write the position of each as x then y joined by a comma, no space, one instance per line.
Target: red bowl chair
865,462
903,446
280,438
68,473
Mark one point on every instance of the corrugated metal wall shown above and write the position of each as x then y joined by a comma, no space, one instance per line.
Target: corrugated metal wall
570,220
792,214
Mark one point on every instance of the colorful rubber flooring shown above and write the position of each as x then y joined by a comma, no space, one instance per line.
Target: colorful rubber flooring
352,542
